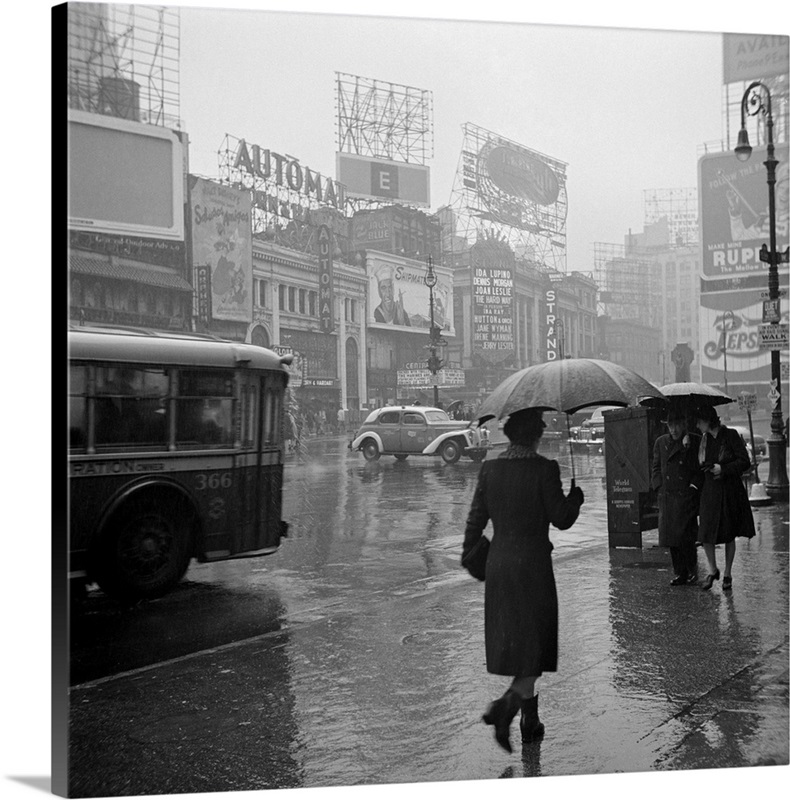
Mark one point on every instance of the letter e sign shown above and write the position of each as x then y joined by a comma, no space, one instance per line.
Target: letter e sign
383,180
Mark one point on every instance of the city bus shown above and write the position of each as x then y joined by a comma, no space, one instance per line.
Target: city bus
175,453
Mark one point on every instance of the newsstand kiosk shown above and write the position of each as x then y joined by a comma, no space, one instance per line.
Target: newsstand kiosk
632,506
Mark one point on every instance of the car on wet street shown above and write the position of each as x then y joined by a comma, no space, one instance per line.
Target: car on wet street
760,446
404,431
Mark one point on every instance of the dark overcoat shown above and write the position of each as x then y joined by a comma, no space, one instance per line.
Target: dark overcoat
724,510
678,478
521,497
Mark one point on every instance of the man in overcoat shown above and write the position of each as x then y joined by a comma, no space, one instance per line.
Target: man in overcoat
677,476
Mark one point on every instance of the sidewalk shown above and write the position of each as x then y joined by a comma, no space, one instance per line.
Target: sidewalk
699,678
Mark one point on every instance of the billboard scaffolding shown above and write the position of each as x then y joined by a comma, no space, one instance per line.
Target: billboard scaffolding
507,191
383,120
628,283
384,139
679,207
123,61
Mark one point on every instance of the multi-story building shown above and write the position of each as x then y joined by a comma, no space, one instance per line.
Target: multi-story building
329,366
127,252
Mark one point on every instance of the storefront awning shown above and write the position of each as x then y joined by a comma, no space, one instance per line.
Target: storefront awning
98,267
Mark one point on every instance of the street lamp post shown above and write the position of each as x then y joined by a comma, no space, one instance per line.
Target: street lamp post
757,100
434,363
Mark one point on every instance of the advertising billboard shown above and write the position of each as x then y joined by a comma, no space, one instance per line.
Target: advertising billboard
734,226
493,273
751,56
222,240
733,202
382,179
125,177
398,298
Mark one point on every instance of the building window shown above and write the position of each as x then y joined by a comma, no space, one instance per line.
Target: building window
261,290
302,299
351,310
282,297
292,298
312,298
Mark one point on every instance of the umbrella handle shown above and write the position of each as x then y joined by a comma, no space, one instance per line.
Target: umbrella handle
570,448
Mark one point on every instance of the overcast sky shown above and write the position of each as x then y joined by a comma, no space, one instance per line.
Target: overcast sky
626,109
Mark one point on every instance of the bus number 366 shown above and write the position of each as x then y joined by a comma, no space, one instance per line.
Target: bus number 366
214,480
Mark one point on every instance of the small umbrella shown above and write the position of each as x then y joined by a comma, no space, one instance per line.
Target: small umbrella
567,385
695,394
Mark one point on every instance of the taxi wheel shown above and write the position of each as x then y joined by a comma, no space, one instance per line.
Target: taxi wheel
478,457
370,450
401,456
451,451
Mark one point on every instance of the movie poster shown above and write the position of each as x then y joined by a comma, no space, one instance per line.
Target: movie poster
222,240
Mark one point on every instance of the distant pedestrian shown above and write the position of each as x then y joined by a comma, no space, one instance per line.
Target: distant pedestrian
677,476
521,494
724,510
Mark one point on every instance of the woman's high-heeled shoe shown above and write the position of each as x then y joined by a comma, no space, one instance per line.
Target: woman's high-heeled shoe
708,582
726,583
500,714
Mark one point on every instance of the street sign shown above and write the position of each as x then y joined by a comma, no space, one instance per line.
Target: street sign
747,401
771,312
774,336
782,293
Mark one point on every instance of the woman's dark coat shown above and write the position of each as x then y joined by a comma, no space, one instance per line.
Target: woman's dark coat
520,496
677,476
724,510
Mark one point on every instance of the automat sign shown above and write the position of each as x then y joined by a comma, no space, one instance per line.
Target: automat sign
326,294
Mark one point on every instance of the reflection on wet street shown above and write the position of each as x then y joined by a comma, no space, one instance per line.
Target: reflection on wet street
355,655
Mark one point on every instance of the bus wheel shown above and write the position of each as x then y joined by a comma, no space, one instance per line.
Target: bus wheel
145,548
401,456
370,450
451,451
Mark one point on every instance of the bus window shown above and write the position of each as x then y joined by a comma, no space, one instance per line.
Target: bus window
204,409
78,422
271,418
131,407
249,411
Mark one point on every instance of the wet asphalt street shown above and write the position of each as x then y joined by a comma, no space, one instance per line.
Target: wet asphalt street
355,655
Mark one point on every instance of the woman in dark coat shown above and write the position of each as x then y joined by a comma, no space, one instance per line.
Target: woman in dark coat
724,510
521,493
677,476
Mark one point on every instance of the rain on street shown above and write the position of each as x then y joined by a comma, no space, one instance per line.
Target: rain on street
355,654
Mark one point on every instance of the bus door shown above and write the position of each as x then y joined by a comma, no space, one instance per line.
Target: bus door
270,467
259,465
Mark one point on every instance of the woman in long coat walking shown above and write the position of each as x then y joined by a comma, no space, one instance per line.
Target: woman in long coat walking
724,510
521,493
677,476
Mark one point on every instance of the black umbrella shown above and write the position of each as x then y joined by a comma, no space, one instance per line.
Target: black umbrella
567,385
